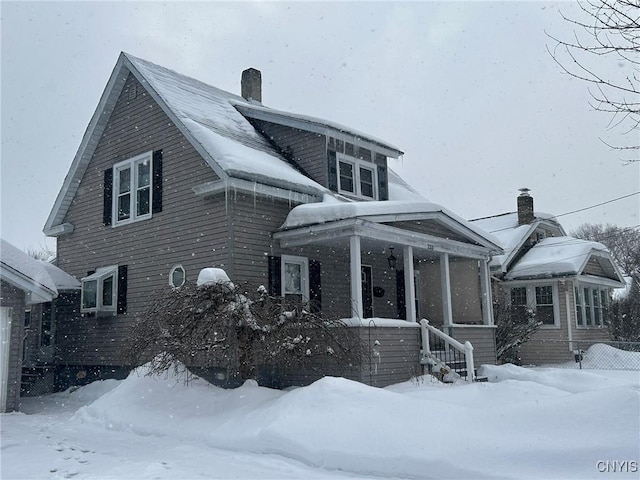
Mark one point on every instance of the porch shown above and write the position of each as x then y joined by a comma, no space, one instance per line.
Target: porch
387,266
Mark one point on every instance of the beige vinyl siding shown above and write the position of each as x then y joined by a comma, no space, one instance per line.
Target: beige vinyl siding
190,230
308,149
391,355
483,340
593,267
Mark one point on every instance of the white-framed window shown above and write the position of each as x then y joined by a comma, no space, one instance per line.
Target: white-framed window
541,298
295,277
591,305
100,291
357,177
132,192
177,276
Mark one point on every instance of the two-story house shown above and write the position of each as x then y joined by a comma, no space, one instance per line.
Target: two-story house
567,281
174,175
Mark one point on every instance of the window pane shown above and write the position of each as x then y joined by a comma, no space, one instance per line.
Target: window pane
124,206
293,278
144,174
142,207
519,297
124,181
346,177
177,277
89,294
587,306
544,304
366,182
107,292
579,309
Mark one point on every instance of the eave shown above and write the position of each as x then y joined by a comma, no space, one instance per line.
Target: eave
314,125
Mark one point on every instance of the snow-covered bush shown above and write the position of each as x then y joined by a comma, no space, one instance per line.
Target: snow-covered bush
239,330
515,325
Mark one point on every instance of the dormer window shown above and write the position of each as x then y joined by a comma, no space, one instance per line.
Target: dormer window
357,177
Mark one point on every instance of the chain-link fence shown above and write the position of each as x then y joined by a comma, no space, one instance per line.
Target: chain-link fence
582,354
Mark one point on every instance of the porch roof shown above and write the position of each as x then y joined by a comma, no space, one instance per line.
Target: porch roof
332,220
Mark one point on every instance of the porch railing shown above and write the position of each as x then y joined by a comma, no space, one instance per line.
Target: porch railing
444,354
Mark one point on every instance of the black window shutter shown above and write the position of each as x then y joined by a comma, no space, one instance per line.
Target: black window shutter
383,183
275,276
156,204
333,171
107,196
315,286
401,301
122,289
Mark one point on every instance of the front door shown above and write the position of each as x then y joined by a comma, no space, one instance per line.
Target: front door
367,291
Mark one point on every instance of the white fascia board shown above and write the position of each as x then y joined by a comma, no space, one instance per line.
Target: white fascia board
316,126
606,256
88,145
58,230
507,262
600,281
345,228
210,189
27,284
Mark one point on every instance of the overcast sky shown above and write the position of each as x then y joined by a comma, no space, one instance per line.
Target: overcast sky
466,90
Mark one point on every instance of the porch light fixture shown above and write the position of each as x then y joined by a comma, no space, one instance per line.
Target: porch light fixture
392,259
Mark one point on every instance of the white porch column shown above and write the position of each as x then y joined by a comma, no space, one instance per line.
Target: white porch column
445,285
409,285
485,288
356,276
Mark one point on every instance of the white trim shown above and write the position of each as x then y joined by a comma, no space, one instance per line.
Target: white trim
445,287
303,262
210,189
172,271
58,230
99,276
410,287
531,297
355,257
5,350
132,164
357,164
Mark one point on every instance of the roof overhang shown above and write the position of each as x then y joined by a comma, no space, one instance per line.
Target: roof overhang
339,231
37,292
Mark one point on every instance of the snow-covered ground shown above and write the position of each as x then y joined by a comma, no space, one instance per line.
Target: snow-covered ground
545,423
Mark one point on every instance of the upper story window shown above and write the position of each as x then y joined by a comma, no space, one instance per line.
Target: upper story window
133,189
357,177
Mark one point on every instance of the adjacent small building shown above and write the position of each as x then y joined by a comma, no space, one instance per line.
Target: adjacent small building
31,295
567,281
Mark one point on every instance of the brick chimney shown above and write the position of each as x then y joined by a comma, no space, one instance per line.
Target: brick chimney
251,85
525,207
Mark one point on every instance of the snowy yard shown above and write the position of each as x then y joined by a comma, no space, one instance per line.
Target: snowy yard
524,423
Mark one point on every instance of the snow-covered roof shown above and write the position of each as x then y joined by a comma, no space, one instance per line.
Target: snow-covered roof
210,120
332,210
401,190
510,234
38,277
560,256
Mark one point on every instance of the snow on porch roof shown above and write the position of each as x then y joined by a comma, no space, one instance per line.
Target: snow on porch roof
557,256
331,210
